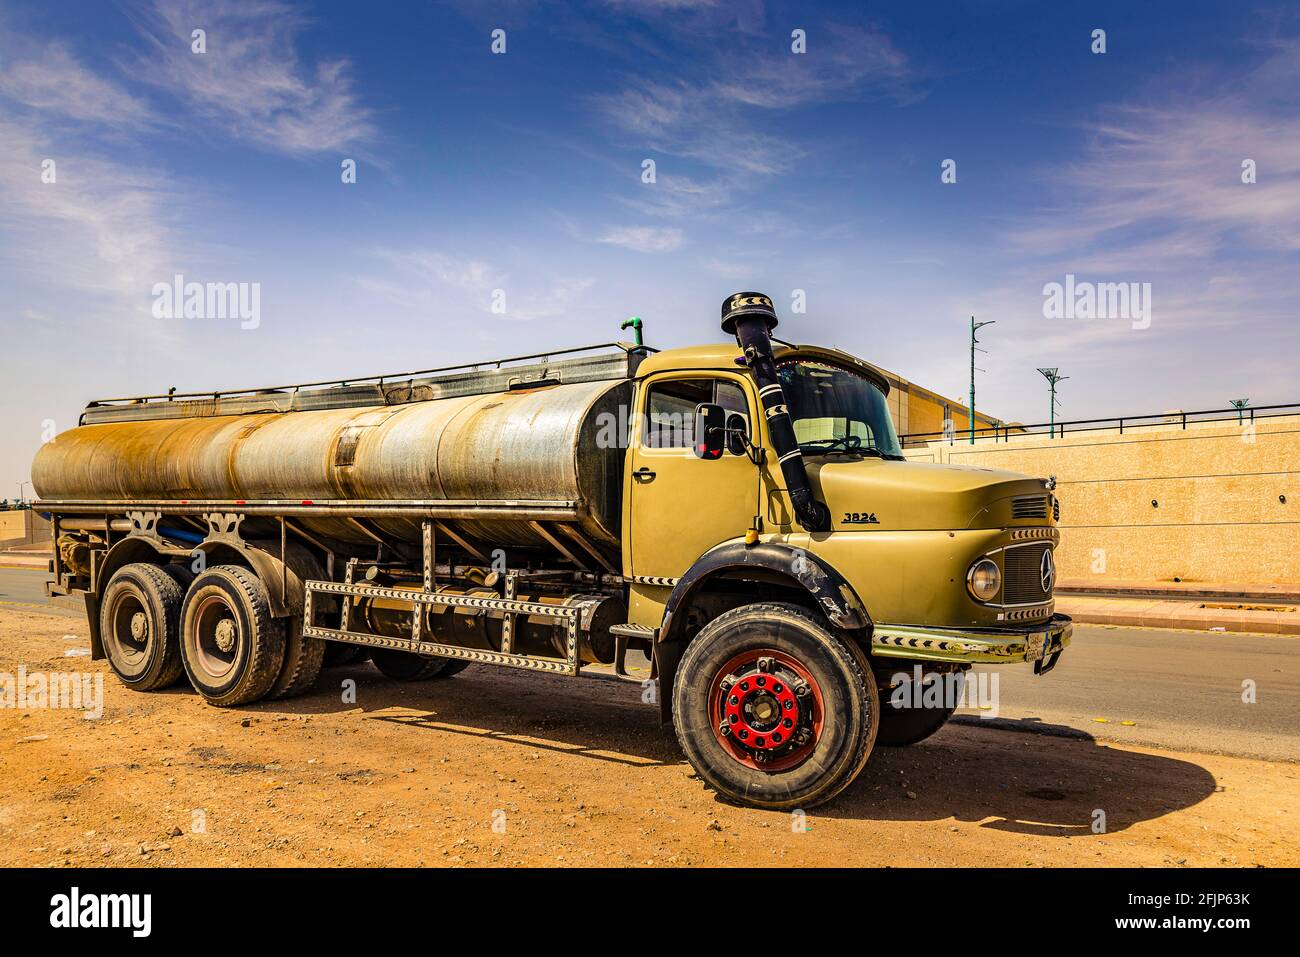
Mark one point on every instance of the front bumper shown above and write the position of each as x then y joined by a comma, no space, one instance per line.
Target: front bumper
1041,643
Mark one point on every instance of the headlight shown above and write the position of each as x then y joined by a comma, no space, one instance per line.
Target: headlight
984,579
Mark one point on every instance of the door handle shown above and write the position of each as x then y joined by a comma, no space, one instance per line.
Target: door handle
643,474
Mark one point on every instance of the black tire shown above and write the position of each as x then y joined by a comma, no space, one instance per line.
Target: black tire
405,666
182,573
232,648
849,711
338,654
139,621
454,667
908,723
304,656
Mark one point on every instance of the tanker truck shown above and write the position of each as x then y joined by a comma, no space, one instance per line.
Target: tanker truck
740,514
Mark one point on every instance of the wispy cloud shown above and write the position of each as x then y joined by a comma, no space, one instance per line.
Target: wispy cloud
677,195
56,83
251,80
643,239
711,119
1163,184
101,226
720,120
443,286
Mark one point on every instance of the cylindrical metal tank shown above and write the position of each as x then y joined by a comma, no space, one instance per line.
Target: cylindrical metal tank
550,443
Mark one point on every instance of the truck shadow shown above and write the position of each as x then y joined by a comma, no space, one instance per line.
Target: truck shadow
598,717
1023,777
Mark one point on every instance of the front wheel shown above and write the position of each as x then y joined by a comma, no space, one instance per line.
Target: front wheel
773,709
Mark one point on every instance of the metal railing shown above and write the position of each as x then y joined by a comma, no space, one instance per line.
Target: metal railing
1005,432
375,379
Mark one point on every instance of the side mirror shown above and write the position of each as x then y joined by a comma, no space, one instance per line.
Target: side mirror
710,430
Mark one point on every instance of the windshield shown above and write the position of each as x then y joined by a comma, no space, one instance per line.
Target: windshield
835,411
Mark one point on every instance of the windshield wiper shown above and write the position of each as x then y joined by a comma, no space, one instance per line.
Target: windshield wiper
841,445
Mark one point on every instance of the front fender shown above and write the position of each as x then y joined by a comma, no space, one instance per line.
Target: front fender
830,590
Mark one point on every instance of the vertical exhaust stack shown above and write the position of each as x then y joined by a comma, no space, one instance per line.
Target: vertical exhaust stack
750,317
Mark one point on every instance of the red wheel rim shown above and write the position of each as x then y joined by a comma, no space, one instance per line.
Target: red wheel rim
771,708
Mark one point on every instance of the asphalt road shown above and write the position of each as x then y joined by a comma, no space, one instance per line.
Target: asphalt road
1180,690
25,588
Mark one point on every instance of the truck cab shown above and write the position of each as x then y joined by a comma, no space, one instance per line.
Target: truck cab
920,570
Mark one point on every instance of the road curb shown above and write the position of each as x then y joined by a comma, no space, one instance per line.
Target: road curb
1180,614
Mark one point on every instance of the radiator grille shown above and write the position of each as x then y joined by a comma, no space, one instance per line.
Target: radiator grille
1029,506
1022,574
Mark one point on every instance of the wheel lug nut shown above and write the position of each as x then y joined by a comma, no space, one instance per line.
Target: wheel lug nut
733,700
765,664
724,729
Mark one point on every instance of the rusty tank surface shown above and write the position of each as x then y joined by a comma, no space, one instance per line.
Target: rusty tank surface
498,447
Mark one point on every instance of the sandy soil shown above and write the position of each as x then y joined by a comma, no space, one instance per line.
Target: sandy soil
497,767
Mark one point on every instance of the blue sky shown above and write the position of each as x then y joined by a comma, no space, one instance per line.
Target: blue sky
522,172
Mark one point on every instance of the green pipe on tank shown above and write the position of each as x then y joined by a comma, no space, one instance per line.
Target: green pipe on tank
635,323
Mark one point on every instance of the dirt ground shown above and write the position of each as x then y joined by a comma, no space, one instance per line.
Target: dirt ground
498,767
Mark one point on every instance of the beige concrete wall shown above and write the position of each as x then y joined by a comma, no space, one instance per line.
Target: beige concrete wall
1219,516
11,524
22,526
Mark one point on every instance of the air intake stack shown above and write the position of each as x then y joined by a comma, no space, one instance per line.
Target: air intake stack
750,317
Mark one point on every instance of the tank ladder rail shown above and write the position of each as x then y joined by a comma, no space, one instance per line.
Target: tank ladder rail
571,615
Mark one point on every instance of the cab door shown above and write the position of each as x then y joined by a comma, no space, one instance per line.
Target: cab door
680,505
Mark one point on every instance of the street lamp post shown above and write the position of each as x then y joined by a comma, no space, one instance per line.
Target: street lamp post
973,327
1239,404
1052,376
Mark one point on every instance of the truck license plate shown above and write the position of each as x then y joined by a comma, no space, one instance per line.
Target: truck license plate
1036,646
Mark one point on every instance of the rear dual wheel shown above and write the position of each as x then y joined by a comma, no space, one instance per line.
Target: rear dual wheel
232,648
774,709
304,655
158,622
139,625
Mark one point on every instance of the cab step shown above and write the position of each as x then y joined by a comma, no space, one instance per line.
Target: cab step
621,635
